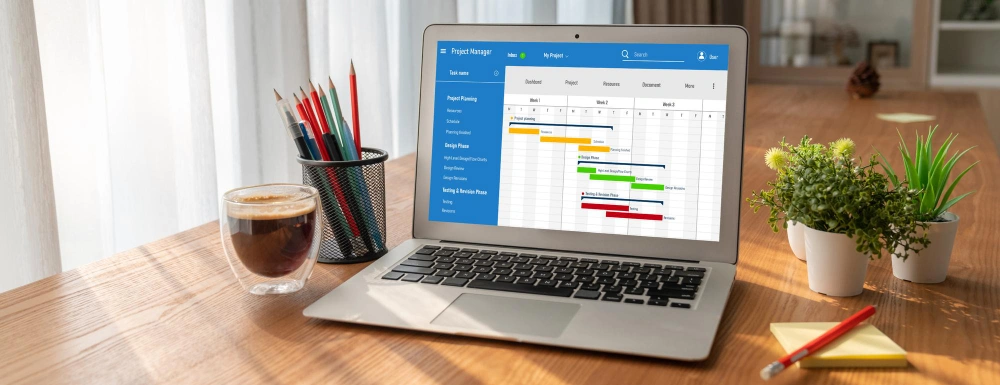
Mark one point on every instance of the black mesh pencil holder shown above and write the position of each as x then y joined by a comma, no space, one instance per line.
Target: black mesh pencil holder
353,197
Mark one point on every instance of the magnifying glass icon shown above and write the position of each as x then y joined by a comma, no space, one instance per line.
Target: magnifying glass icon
625,53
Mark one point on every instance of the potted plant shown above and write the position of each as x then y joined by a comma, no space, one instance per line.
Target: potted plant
927,171
849,212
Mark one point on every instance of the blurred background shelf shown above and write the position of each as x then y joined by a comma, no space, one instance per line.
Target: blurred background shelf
964,53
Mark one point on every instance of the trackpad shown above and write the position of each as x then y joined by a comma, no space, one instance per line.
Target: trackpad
508,315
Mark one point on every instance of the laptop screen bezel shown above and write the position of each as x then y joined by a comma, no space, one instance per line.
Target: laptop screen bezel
723,250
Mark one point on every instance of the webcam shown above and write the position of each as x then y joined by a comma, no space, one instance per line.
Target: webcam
577,36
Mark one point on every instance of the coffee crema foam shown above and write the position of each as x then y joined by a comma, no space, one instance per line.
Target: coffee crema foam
270,206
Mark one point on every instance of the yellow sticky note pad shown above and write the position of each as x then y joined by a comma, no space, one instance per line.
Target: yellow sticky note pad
905,117
864,346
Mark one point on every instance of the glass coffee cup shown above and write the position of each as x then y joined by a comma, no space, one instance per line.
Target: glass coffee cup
271,235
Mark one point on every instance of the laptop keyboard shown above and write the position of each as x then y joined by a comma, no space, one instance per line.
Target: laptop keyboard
584,278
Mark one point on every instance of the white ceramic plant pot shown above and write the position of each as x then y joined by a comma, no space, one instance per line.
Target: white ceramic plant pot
929,265
835,267
796,239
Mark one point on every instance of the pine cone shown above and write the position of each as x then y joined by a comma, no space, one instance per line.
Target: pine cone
863,82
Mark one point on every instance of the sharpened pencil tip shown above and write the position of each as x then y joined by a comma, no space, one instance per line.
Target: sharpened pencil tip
276,96
297,101
311,88
352,66
330,80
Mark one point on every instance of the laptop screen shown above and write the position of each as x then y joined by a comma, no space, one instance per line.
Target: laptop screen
586,137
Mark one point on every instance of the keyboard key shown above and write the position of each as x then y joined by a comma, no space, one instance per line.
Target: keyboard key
426,251
455,282
689,274
482,269
568,259
615,263
665,294
539,262
601,267
652,265
431,247
680,305
445,260
520,260
500,258
526,289
444,273
579,265
666,279
696,269
464,261
606,281
629,283
635,291
462,267
525,255
656,302
434,280
641,270
462,254
587,294
504,265
584,279
392,276
413,269
542,275
563,270
465,275
487,277
634,300
483,263
522,266
444,253
548,257
450,248
508,254
522,273
583,272
526,281
591,260
413,277
411,262
444,266
548,283
627,276
569,285
679,287
621,269
470,250
421,257
673,267
491,252
649,277
564,277
692,281
649,285
503,271
605,274
559,263
544,269
481,257
591,287
612,289
506,279
629,264
612,297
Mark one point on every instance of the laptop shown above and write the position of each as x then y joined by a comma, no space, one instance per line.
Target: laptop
576,186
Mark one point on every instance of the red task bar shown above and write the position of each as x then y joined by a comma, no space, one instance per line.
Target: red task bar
647,217
598,206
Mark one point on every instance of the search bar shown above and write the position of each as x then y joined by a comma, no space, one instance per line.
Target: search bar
655,61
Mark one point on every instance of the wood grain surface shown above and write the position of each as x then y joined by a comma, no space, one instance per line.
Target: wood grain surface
172,312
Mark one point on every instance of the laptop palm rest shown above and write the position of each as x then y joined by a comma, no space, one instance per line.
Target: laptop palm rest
508,315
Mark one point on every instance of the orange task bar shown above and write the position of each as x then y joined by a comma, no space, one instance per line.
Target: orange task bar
595,148
527,131
560,139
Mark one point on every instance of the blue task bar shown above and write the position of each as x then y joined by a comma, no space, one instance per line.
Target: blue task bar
560,125
621,199
621,163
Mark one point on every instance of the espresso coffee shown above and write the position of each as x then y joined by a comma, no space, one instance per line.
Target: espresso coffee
272,234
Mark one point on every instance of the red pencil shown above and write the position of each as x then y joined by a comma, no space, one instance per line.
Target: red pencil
815,345
320,116
354,110
317,131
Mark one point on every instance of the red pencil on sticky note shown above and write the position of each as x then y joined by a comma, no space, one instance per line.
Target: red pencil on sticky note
354,110
815,345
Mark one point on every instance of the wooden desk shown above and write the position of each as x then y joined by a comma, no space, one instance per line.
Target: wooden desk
171,311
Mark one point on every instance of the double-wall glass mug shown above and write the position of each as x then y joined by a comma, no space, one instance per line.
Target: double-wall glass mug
271,235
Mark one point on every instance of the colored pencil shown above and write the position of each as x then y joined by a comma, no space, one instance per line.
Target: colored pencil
815,345
333,144
292,127
354,109
347,143
316,129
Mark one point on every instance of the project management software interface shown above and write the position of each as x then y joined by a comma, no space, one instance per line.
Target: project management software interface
592,137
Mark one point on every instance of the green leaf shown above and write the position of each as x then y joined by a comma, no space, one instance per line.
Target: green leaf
957,179
950,203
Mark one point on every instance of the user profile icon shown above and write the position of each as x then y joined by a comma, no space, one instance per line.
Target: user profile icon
701,55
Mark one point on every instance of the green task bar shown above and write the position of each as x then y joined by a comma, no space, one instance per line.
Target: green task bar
612,178
646,186
586,170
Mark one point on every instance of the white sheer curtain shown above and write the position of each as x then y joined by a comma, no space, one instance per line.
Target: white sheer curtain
156,107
